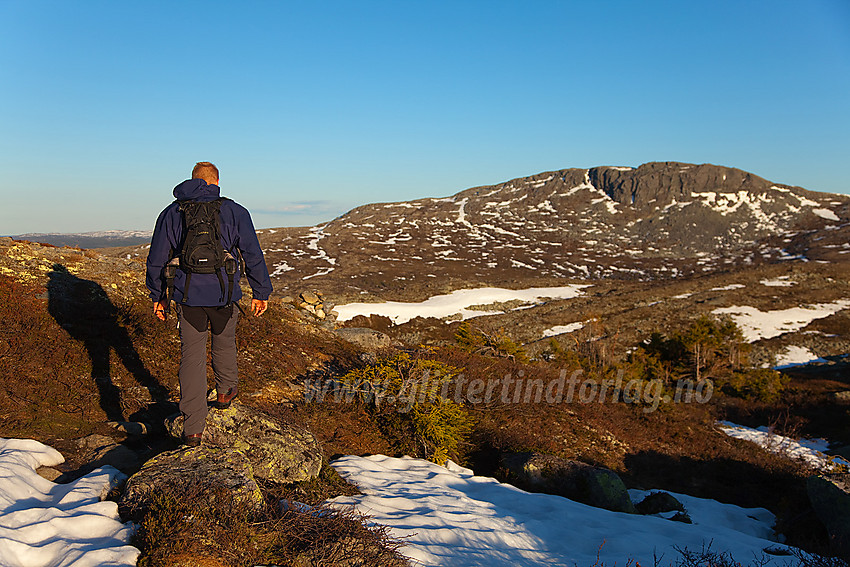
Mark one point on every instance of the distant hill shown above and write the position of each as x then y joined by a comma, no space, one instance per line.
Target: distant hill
100,239
661,220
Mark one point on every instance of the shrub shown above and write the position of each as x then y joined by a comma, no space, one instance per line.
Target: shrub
474,340
762,384
409,397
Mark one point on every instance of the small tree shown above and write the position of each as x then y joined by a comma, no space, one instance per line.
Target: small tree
715,347
708,348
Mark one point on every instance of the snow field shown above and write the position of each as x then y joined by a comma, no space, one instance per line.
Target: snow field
43,524
453,518
562,329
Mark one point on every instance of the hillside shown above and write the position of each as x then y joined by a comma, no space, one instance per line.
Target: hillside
81,350
656,245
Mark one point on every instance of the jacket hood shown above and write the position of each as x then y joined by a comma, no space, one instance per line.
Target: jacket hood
196,190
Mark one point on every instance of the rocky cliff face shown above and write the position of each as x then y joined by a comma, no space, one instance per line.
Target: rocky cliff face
658,220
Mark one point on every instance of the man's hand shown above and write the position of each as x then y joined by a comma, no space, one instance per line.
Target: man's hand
258,307
159,310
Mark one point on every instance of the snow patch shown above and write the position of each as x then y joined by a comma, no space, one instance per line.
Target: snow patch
796,356
729,287
826,214
810,451
781,281
461,213
455,303
561,329
280,268
450,517
58,525
757,324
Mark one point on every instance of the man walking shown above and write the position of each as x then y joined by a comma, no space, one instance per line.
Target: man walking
196,250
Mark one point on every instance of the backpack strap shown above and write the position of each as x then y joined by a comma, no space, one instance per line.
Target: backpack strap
231,267
186,291
170,274
229,289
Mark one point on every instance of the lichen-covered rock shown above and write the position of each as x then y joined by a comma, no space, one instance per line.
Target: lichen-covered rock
310,297
201,468
367,339
577,481
842,397
277,451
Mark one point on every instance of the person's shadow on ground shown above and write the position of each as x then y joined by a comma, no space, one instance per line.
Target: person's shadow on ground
83,308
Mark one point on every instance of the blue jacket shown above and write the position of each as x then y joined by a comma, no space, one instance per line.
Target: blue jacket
237,231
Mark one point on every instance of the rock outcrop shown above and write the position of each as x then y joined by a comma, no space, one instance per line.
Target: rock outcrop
277,451
313,302
368,339
661,503
203,469
99,450
830,498
577,481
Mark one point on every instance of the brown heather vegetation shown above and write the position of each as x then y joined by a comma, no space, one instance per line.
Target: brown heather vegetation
182,529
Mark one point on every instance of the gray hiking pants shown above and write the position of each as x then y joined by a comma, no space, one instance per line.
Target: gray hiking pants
193,367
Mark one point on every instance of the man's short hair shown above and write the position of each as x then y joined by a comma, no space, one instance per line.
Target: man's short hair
206,171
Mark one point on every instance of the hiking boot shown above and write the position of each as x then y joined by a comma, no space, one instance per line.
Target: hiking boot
193,440
222,401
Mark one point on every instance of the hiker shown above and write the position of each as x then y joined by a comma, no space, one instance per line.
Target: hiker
201,245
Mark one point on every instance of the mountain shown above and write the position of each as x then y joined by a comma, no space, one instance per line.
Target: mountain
659,220
98,239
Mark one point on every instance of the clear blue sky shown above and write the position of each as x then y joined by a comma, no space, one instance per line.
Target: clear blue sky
312,108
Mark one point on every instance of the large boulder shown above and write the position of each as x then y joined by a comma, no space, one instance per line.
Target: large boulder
830,498
277,451
577,481
205,469
663,503
659,503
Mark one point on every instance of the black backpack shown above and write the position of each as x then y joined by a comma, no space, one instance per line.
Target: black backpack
201,251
